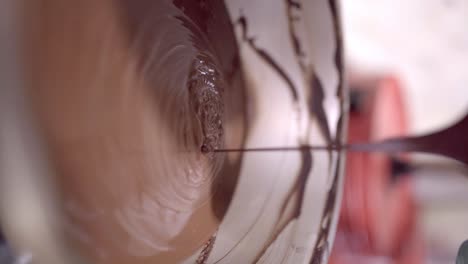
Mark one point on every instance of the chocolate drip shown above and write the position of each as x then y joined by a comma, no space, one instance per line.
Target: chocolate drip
299,187
292,34
301,179
267,58
339,45
316,107
322,243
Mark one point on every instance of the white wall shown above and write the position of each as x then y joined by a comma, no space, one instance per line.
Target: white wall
425,41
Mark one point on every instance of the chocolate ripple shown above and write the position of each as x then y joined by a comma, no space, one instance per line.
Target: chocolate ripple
128,94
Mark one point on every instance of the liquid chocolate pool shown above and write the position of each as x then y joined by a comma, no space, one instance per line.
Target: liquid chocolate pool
128,94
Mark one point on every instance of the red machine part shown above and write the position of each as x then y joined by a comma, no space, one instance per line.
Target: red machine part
378,214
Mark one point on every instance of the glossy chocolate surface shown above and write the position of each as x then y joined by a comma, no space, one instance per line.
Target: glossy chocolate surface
127,94
135,97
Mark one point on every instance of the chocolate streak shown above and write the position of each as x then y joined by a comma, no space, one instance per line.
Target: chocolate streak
321,246
316,109
306,156
303,175
292,35
322,243
339,45
267,58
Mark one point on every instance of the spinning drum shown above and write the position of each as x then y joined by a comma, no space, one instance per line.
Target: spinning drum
115,114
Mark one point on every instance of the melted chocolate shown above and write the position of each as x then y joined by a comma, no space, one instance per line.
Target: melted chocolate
316,109
339,45
299,187
128,93
206,97
215,88
292,35
322,243
267,58
321,246
300,183
212,33
446,142
301,179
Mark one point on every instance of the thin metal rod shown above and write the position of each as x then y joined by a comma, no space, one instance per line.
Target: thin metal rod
270,149
392,145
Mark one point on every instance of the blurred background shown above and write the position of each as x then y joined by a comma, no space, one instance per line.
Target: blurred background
424,45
